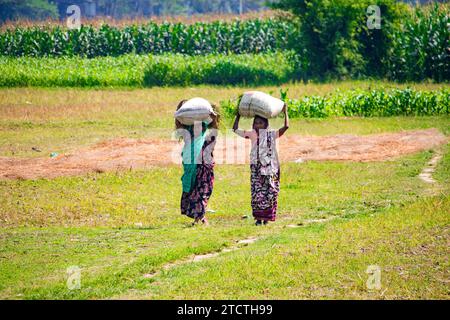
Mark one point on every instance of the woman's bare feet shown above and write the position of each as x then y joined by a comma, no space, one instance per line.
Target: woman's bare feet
203,220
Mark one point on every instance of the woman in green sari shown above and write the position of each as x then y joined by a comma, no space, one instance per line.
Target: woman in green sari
198,166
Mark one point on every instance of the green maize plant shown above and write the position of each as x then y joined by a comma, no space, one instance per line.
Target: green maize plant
237,37
421,46
364,103
373,103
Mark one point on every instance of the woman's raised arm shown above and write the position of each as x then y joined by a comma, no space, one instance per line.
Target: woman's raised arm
283,129
239,132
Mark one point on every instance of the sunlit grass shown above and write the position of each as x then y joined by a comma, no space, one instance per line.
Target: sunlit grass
118,227
408,244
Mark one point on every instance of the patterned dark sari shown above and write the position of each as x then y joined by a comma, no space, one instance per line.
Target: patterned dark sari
265,189
265,179
194,202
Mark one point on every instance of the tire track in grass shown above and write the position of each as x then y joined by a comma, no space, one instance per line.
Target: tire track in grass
238,245
199,257
427,173
433,186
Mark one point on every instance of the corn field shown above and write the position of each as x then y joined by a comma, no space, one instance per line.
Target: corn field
421,47
416,49
237,37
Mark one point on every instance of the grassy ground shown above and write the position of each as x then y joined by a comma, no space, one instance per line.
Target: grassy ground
117,227
408,244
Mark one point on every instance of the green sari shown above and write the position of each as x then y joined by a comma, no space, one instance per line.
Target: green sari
190,154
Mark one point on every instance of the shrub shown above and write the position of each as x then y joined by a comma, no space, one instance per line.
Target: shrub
364,103
334,37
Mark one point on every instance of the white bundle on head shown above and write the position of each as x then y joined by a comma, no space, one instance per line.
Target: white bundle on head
196,109
255,103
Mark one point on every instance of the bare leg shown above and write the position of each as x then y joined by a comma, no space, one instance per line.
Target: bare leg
196,220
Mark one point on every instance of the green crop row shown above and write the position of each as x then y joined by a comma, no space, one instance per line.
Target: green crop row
146,70
72,72
363,103
179,70
237,37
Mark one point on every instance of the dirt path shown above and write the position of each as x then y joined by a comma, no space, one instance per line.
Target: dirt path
433,187
427,172
239,244
127,154
200,257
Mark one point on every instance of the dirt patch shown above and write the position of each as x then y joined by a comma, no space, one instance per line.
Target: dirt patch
377,147
127,154
111,155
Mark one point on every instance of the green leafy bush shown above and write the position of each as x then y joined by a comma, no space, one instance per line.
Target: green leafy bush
335,39
363,103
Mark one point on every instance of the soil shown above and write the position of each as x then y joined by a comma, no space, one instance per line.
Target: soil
128,154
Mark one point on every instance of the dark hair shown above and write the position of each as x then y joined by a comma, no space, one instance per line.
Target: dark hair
216,120
265,120
178,124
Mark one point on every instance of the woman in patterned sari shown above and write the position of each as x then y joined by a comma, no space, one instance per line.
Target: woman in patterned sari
264,166
198,165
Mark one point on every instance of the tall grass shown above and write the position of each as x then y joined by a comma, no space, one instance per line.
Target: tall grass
72,72
126,21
